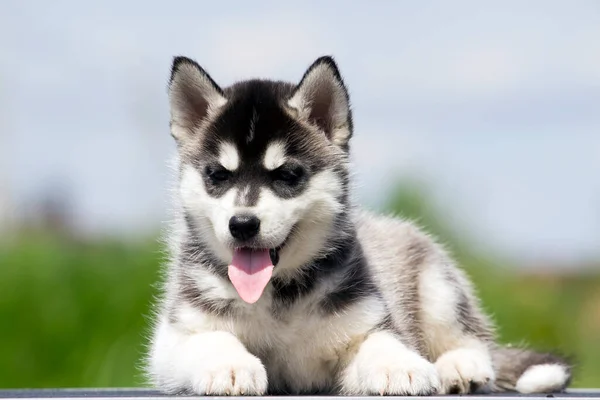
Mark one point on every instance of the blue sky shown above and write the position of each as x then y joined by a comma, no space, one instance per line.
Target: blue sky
496,103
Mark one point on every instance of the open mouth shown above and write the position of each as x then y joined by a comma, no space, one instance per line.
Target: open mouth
274,254
251,270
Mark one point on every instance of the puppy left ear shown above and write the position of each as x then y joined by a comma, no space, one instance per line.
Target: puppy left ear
321,98
193,96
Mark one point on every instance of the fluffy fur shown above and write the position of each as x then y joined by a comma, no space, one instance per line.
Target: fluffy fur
358,304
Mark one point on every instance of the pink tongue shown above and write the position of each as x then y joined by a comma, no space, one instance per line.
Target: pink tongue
250,271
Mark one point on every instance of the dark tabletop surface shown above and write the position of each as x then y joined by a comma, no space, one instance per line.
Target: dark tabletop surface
149,394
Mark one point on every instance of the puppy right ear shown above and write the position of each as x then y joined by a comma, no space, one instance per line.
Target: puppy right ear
321,98
193,96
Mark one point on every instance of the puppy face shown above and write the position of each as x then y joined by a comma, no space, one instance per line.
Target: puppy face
262,163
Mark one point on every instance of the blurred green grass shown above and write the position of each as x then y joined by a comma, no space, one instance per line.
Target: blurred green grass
76,313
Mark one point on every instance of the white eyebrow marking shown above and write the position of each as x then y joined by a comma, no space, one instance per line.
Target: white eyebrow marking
274,156
228,156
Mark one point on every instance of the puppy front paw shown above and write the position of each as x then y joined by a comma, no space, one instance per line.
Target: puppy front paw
384,366
234,374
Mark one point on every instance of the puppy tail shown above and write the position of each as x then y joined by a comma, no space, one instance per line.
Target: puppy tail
527,371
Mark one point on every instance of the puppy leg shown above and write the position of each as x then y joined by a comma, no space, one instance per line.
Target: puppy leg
457,333
384,366
209,363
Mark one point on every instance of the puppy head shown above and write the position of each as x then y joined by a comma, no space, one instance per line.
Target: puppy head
262,163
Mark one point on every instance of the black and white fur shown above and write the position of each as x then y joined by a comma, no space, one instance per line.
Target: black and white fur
358,304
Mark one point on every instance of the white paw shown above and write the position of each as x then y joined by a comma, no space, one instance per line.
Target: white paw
213,363
408,374
243,374
386,367
465,371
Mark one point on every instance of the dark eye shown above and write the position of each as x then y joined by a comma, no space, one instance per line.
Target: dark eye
290,175
217,174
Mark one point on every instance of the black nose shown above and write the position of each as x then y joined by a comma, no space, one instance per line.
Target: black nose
244,227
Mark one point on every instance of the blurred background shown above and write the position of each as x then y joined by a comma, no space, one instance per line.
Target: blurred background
481,120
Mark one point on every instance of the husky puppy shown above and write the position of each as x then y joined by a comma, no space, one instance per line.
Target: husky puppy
277,284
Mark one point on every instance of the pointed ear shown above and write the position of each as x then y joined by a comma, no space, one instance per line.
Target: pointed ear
193,97
322,99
